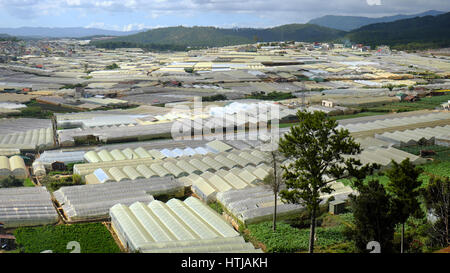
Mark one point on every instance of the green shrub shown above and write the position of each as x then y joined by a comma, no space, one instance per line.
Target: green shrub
217,207
11,182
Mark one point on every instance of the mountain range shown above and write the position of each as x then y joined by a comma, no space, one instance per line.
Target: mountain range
61,32
212,36
349,23
414,33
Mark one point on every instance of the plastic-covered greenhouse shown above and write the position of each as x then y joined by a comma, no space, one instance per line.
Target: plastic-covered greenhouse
130,169
393,122
94,201
413,137
26,207
26,133
256,204
208,184
14,166
176,226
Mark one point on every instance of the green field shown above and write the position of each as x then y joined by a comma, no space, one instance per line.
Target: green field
442,152
438,168
422,104
288,239
28,183
93,238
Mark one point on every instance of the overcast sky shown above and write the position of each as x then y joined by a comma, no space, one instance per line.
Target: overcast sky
139,14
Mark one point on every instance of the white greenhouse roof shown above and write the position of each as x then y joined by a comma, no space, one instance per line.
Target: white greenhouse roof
26,207
176,226
94,201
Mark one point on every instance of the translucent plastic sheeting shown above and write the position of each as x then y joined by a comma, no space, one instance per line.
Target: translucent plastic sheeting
26,207
176,226
94,201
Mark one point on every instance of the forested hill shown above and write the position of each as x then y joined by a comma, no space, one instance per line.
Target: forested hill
182,37
349,23
415,33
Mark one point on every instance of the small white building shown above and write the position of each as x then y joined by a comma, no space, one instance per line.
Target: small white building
327,103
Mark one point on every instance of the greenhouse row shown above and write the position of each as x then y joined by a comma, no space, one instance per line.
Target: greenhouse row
87,202
256,204
372,142
127,154
26,207
29,140
413,137
393,122
176,226
115,133
208,184
13,166
182,166
22,125
384,156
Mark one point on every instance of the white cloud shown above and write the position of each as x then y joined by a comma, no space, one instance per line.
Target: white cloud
373,2
269,10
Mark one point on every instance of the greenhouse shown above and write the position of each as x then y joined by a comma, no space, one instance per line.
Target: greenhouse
94,201
128,154
384,156
208,184
187,226
29,140
48,157
394,122
14,166
108,134
26,207
177,167
256,204
424,136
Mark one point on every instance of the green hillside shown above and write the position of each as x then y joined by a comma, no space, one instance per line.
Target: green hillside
416,33
349,23
177,38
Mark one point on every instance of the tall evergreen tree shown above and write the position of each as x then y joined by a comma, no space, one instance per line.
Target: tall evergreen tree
372,211
404,186
315,149
437,200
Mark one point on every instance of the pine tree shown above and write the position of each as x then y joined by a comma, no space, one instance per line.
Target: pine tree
314,150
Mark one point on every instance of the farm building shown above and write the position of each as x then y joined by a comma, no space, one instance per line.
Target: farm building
139,153
386,122
178,167
26,134
14,166
256,204
424,136
187,226
86,202
26,207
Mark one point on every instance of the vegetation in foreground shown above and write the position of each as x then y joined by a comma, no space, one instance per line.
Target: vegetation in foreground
53,183
427,103
11,182
92,237
287,239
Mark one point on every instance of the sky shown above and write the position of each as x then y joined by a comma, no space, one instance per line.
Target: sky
126,15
